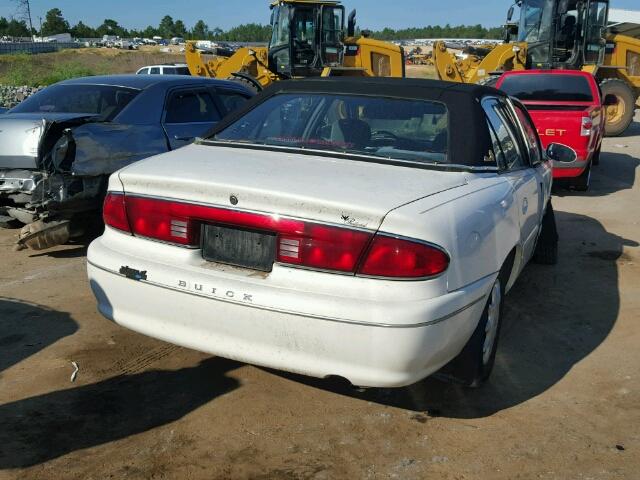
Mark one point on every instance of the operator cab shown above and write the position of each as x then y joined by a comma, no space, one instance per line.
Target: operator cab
563,33
307,37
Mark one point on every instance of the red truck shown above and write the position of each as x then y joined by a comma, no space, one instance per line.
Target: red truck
566,107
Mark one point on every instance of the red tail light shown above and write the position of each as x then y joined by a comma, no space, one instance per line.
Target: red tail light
114,212
587,125
306,244
399,258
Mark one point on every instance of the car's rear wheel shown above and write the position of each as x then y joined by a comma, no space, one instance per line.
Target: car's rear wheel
596,157
582,182
546,252
473,366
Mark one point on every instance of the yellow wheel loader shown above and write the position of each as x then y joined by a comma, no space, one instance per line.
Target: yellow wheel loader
308,40
559,34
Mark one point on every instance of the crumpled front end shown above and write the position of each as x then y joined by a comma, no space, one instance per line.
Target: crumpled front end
61,185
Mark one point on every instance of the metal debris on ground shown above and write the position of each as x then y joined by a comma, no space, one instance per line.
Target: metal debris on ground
75,371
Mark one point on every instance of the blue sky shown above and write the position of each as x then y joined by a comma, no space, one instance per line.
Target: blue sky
374,14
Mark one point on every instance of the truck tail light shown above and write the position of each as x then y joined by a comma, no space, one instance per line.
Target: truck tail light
400,258
305,244
114,212
587,125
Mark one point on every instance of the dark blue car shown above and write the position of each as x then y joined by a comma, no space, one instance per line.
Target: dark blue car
58,147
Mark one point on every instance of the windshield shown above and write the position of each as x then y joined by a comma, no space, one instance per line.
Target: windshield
543,87
384,127
535,21
280,27
103,100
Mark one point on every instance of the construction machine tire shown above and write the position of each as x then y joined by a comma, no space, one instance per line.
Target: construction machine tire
620,115
248,82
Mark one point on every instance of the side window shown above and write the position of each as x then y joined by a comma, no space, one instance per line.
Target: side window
531,137
155,71
231,100
499,120
191,107
168,71
144,71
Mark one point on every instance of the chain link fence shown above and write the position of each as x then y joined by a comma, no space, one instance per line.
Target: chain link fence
35,47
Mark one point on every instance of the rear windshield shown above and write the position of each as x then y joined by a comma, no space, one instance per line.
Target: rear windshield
383,127
106,101
541,87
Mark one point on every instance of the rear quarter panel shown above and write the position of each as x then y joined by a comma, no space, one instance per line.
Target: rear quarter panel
477,224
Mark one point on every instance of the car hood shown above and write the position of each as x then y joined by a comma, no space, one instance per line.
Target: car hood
324,189
21,136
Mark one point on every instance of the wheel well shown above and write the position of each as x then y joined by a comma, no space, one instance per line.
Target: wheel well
510,267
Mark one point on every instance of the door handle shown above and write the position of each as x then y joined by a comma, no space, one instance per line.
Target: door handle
183,139
525,205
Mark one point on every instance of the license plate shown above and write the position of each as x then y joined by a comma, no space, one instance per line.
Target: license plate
242,248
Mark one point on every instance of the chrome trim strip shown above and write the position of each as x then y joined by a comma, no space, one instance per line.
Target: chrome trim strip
300,314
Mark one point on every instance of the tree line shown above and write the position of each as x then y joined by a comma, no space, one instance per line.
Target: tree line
55,23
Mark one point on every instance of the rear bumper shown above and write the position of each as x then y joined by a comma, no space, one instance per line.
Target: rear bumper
367,350
569,170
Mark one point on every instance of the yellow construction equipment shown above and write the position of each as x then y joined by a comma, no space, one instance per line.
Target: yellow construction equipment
564,34
308,39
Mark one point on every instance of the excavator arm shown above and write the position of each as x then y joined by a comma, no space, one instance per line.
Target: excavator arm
473,68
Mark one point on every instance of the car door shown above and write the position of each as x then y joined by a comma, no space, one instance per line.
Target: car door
514,162
189,113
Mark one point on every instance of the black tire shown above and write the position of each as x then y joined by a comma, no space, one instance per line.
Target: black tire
626,99
473,365
596,157
581,183
252,84
546,252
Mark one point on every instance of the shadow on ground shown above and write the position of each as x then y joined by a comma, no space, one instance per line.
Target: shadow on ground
554,317
26,329
48,426
617,171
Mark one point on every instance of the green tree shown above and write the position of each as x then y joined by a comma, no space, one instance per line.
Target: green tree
200,31
179,29
166,27
111,27
54,23
13,28
83,31
149,32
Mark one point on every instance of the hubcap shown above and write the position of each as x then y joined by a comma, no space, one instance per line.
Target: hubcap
616,112
493,320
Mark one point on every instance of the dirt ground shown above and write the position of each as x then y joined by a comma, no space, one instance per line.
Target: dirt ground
563,402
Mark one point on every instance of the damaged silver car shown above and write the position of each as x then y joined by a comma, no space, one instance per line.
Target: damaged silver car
58,147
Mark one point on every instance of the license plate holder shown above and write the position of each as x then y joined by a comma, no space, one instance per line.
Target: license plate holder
239,247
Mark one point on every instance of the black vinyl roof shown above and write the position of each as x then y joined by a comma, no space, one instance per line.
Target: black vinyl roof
469,139
141,82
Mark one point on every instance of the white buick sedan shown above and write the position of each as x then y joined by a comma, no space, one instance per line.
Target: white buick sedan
361,228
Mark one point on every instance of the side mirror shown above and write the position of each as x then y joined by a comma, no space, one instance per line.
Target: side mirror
510,13
351,25
561,153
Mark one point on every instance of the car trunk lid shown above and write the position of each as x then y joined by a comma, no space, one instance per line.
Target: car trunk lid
330,190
